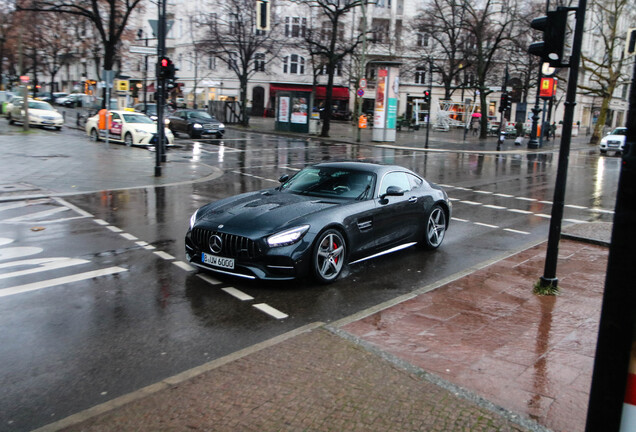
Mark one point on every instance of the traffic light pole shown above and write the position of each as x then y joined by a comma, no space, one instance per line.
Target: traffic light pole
161,50
549,279
430,93
503,92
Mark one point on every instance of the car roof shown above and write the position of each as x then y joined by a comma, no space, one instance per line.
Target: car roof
364,166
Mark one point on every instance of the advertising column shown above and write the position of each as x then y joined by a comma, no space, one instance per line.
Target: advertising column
386,100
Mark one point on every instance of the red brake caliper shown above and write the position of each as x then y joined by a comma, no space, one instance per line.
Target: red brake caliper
335,246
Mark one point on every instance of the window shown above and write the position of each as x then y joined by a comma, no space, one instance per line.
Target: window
211,62
337,70
259,62
420,75
396,178
233,23
295,26
380,30
422,40
294,64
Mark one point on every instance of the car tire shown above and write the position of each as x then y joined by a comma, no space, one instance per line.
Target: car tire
435,228
192,134
11,121
603,152
58,128
128,139
328,257
94,135
219,136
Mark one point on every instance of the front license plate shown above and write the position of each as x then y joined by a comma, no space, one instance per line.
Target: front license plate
217,261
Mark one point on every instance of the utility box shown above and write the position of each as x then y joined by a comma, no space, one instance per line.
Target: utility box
292,111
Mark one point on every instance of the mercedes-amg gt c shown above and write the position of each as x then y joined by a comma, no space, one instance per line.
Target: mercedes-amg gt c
324,217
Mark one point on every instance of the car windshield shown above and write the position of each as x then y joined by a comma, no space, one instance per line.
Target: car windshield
136,118
200,115
40,106
619,131
331,182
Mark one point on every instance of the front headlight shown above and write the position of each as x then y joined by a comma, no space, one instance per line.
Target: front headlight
193,218
197,126
221,126
141,131
287,237
166,121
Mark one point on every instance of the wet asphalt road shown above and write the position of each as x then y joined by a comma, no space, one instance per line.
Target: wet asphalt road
68,347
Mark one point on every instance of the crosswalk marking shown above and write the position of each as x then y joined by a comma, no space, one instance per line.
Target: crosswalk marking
19,289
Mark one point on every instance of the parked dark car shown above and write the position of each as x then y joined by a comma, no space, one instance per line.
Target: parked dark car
195,123
324,217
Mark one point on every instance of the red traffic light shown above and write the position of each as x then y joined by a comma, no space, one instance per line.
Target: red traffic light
164,62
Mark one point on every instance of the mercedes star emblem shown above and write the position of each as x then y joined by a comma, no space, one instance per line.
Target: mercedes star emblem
216,244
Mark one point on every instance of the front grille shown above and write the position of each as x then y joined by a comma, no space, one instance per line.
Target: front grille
154,140
210,126
234,246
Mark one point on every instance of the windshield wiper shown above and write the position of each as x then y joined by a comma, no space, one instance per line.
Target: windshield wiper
364,193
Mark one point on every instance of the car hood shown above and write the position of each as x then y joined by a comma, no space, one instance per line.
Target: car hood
614,138
148,127
39,112
261,213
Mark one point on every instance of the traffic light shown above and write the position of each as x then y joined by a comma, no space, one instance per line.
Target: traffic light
505,102
553,26
262,14
427,96
166,68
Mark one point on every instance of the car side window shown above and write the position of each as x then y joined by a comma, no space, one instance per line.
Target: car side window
116,116
395,178
414,181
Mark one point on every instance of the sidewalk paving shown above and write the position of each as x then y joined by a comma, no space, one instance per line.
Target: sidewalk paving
477,351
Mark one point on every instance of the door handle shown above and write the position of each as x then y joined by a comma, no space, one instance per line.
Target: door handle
413,199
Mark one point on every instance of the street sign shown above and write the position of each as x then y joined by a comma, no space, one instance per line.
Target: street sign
363,83
360,92
24,79
143,50
154,24
123,85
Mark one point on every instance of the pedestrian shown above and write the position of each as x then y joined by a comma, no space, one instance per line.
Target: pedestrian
473,127
553,130
519,129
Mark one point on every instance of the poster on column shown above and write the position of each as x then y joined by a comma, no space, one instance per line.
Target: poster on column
299,110
379,113
393,92
283,109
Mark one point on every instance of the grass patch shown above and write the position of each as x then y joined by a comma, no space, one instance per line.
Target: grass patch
545,290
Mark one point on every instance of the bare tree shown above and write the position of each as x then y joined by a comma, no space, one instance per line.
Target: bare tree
490,24
325,40
603,65
231,36
109,18
441,29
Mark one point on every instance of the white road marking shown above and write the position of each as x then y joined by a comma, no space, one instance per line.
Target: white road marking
545,216
164,255
38,215
453,199
128,236
545,202
73,207
114,229
270,311
19,252
574,220
485,225
575,206
516,231
458,219
43,264
504,195
496,207
519,211
5,241
525,199
601,211
483,192
22,204
238,294
141,243
19,289
183,266
149,247
100,222
209,279
470,202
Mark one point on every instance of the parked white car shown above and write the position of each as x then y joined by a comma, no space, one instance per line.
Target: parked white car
127,127
40,114
614,141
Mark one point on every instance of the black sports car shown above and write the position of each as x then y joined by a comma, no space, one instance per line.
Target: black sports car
315,222
195,123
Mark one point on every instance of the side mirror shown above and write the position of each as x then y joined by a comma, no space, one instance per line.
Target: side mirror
392,191
283,178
